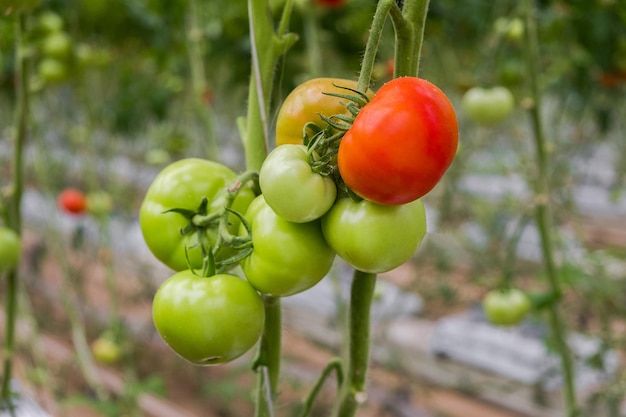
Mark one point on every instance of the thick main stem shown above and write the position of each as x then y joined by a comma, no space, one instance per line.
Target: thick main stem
542,214
14,218
267,47
361,295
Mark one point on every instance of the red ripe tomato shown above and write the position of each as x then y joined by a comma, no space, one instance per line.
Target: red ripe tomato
400,144
72,201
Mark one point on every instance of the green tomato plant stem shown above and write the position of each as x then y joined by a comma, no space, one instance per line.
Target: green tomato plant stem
409,24
353,392
268,45
542,213
14,219
268,359
371,48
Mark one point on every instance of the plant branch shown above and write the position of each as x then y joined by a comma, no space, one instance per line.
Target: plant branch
371,48
353,391
542,215
14,219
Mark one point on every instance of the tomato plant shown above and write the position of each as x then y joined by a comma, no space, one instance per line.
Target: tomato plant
208,320
401,142
488,106
292,189
306,103
506,307
372,237
72,200
10,249
288,258
183,185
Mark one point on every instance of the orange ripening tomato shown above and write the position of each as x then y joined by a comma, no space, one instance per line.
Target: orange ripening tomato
305,104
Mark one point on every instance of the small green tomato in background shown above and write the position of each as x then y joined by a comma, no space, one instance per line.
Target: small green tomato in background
506,307
57,45
208,320
106,351
52,71
10,249
292,189
99,203
488,106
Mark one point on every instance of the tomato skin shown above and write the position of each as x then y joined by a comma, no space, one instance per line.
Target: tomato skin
488,106
10,249
72,200
304,105
506,307
288,257
400,144
292,189
372,237
208,320
183,184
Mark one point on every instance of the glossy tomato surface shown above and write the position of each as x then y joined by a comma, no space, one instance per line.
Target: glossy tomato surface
372,237
401,143
208,320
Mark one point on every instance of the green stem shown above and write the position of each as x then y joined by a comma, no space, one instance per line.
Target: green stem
267,363
415,12
334,364
14,219
267,47
353,392
371,48
542,215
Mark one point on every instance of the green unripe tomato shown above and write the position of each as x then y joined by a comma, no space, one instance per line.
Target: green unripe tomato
288,257
57,45
208,321
292,189
52,71
488,106
506,307
372,237
10,249
50,22
106,351
183,184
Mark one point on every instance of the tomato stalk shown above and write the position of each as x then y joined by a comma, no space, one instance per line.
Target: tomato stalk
13,213
409,24
267,47
353,392
335,365
542,213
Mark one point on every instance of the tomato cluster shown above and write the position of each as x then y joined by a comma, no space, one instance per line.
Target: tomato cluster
346,179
